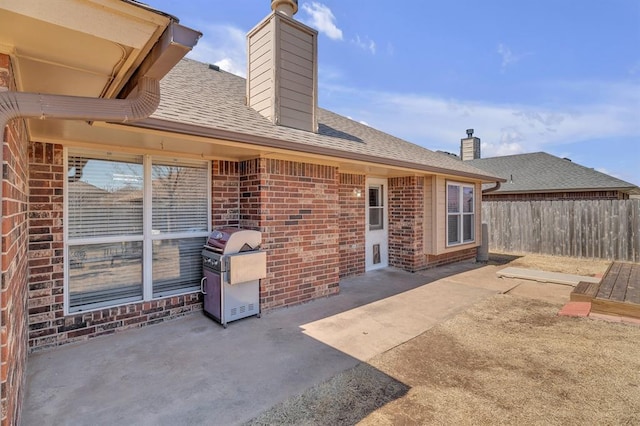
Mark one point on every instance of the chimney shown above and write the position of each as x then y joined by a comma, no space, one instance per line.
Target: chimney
282,74
288,7
469,147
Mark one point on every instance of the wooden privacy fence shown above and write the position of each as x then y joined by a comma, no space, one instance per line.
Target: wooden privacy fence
605,229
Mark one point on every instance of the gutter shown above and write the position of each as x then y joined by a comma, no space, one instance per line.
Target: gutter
495,188
43,106
262,141
174,43
631,191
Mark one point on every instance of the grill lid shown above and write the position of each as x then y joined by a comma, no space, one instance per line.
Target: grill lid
234,240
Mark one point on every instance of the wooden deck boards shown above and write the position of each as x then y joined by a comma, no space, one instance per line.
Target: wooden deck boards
633,288
618,293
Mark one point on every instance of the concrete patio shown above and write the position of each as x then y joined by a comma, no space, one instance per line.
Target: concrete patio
192,371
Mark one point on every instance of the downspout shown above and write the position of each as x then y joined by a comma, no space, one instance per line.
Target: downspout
35,105
174,43
483,250
493,188
43,106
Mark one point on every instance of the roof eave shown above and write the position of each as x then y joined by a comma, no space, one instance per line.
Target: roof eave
151,9
262,141
630,190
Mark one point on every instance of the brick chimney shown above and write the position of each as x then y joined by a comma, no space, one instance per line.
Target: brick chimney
469,147
282,74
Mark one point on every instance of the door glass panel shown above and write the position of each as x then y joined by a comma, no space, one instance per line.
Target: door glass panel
374,197
376,208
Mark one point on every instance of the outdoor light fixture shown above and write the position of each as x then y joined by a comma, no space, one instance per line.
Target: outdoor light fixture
357,192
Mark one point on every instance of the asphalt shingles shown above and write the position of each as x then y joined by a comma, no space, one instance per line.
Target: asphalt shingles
540,171
194,94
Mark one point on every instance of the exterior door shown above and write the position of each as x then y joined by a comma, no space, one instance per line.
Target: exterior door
377,235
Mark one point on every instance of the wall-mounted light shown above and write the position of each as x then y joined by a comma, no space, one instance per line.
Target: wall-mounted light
357,192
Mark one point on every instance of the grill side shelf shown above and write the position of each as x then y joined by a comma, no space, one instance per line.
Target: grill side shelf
247,266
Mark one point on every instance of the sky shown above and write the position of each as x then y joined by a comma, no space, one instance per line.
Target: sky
559,76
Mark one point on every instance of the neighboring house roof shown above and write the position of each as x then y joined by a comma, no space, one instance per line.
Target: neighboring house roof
542,172
199,100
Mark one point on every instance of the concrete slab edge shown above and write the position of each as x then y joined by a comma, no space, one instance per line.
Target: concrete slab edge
544,277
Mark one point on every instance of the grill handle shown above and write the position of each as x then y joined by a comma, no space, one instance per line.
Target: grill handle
202,285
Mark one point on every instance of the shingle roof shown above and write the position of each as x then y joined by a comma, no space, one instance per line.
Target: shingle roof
542,172
195,95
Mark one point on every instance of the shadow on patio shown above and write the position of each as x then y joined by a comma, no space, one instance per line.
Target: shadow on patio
192,371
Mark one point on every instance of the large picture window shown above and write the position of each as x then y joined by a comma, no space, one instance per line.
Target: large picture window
460,213
136,225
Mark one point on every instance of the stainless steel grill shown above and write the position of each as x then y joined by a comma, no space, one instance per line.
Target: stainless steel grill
232,266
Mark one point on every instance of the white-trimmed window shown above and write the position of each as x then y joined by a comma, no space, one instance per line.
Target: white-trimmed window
135,227
460,213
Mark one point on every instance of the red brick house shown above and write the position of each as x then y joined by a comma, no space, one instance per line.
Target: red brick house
108,198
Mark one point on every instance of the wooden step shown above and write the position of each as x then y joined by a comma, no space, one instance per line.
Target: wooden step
584,292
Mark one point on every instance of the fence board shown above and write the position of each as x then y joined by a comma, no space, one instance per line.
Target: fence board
603,229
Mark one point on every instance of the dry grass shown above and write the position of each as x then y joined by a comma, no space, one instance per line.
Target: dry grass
566,265
508,360
340,401
514,361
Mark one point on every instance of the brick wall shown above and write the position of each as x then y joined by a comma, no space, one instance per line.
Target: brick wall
406,223
225,191
47,324
352,224
13,290
432,261
296,207
46,245
78,327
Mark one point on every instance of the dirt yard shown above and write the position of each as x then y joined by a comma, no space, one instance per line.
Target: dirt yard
508,360
566,265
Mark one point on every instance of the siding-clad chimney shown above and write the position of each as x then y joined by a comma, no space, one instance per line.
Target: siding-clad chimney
469,147
282,75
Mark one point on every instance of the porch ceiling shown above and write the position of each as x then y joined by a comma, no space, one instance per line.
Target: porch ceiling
81,48
84,48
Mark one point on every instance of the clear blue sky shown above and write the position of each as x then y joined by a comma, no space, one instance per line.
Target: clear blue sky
559,76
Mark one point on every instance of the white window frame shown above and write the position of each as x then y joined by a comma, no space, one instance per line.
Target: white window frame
379,208
147,236
461,214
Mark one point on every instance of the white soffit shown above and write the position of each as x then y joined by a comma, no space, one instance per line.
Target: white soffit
76,47
103,19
